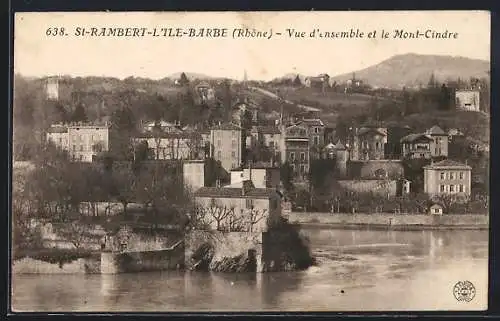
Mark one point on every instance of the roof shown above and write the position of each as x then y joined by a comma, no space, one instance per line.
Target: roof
447,164
233,192
160,134
413,138
226,126
268,130
313,122
436,130
337,146
57,129
366,130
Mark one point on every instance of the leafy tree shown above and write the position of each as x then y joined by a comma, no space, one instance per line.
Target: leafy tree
79,114
183,81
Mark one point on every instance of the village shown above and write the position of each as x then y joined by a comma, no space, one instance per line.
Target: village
248,170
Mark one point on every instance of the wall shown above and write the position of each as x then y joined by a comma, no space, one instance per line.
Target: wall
194,174
226,147
225,245
88,265
367,169
389,219
380,187
142,261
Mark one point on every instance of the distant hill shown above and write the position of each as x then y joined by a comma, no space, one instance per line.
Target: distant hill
413,69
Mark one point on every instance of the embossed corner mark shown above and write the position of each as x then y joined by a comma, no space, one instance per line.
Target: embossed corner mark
464,291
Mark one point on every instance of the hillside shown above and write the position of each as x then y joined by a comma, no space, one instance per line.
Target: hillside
413,69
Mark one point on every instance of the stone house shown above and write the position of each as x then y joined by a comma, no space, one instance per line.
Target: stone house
227,145
246,208
416,146
439,144
295,148
369,143
83,141
467,100
447,177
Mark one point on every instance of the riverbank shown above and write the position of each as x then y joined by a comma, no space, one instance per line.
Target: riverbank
384,221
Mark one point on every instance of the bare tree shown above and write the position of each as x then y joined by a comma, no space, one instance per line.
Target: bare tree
255,216
219,213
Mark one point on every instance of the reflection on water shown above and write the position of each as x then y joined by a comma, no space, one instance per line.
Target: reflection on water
357,270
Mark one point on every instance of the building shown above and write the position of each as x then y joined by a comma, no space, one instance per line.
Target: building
369,143
340,154
321,81
467,100
82,141
439,144
193,172
172,145
246,208
243,107
416,146
316,131
163,126
262,176
204,91
436,209
447,177
227,145
295,149
52,88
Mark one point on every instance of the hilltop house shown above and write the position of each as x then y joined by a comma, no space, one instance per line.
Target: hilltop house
467,99
368,143
83,141
321,81
447,177
439,144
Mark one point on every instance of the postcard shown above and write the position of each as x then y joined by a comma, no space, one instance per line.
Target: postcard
250,161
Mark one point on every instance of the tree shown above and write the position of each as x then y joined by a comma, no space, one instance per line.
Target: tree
297,82
183,80
218,213
79,114
286,173
255,216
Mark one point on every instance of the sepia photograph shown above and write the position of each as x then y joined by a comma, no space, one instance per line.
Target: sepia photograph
250,161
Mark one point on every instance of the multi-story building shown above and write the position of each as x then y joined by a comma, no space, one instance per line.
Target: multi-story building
439,144
193,172
295,148
168,145
416,146
447,177
244,208
81,141
368,143
467,99
227,145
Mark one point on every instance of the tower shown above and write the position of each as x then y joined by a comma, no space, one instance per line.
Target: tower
52,89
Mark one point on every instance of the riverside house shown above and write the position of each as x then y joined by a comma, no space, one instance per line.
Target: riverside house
227,145
447,177
245,208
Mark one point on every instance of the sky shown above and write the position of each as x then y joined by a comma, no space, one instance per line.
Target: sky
38,55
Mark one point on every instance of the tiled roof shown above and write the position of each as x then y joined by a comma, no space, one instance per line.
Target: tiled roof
58,129
231,192
366,130
226,126
412,138
313,122
268,130
447,164
436,130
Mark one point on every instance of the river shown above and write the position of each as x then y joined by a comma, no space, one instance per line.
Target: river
356,271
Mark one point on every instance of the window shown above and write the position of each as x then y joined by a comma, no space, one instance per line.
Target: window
316,130
452,188
436,151
292,156
302,169
441,176
302,156
218,142
233,143
461,175
452,175
271,144
316,140
81,148
441,188
233,154
219,155
233,133
249,203
74,148
293,167
81,157
60,141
